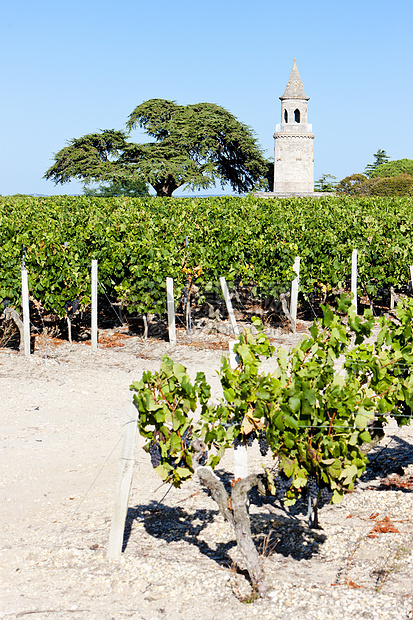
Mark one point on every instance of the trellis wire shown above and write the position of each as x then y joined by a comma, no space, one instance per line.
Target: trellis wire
110,303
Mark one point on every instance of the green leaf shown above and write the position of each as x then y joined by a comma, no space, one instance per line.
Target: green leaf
348,474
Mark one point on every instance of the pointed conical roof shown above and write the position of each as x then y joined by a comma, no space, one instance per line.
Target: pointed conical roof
294,88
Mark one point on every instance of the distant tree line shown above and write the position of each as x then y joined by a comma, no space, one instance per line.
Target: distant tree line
380,178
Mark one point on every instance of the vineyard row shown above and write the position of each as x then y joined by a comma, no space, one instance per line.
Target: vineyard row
252,242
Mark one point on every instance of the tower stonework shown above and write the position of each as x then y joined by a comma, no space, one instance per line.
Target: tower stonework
294,142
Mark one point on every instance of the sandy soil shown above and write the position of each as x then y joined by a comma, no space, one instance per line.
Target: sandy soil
62,412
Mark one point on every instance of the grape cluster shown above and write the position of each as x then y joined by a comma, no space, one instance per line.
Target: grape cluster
239,441
186,442
155,453
312,487
187,438
245,440
325,495
262,442
282,485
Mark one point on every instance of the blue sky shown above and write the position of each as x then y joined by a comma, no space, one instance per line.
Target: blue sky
73,68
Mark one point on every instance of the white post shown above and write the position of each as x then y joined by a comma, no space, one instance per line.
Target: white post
26,312
391,299
354,278
411,275
171,310
240,452
94,326
227,298
294,290
123,488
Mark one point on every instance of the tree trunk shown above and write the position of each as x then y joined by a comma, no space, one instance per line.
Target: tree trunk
166,187
235,511
11,315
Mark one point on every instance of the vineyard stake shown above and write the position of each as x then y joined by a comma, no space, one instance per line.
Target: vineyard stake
171,310
26,312
240,452
354,278
69,329
411,275
227,298
120,509
94,326
294,292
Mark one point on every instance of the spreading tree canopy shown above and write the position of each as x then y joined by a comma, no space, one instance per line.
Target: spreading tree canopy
195,145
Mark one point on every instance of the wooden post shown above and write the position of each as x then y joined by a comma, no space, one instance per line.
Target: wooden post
170,301
94,326
123,488
69,329
294,292
227,298
411,276
354,278
26,312
240,452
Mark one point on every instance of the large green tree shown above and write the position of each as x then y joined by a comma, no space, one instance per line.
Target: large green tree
380,158
194,145
394,168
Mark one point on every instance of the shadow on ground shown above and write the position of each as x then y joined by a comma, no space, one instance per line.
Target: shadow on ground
281,534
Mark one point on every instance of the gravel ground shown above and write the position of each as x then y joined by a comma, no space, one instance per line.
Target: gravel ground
61,428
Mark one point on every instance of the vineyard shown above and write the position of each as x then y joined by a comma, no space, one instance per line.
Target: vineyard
313,411
138,243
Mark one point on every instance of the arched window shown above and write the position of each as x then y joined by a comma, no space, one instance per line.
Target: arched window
285,116
297,116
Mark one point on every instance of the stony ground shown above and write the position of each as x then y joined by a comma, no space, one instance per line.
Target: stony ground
62,413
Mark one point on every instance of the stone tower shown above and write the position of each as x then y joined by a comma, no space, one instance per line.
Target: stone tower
294,141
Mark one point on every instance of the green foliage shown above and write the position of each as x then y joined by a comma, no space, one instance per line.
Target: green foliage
354,185
131,188
315,419
195,145
380,158
141,241
93,158
166,402
394,168
326,183
401,185
382,178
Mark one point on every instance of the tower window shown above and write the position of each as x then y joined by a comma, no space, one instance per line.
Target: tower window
285,116
297,116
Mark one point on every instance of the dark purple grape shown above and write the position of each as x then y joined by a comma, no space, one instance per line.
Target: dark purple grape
187,438
239,441
312,486
155,453
325,495
262,442
282,485
250,438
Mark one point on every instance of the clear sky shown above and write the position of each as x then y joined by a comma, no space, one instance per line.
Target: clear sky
73,68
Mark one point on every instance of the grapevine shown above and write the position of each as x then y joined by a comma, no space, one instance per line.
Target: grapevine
313,421
138,242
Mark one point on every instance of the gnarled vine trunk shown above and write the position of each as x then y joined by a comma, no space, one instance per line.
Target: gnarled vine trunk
234,510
